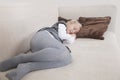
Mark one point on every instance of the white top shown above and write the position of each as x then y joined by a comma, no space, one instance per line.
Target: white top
65,37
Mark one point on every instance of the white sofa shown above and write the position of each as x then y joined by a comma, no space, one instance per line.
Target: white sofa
92,59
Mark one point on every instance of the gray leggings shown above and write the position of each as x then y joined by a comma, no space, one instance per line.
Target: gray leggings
47,52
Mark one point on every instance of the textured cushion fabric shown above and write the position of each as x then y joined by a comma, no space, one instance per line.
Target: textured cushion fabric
93,27
94,20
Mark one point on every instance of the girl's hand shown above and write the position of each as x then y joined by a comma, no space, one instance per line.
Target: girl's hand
74,35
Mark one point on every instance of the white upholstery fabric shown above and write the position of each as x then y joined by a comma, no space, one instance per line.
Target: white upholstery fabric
92,59
18,23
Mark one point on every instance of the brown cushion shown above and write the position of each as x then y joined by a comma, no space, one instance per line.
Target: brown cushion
93,27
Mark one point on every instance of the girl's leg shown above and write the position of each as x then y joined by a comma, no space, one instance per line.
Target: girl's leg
47,54
44,48
25,68
10,63
43,40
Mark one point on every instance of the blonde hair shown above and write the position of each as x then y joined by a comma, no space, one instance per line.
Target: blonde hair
74,22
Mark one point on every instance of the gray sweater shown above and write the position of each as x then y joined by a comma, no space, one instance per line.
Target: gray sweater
54,30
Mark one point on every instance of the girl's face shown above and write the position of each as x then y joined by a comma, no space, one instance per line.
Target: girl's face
72,28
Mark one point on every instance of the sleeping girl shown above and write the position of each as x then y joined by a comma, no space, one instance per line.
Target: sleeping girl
48,50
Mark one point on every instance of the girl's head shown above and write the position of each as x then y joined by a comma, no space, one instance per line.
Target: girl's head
73,26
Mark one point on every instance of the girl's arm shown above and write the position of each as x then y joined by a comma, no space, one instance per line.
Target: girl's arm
67,38
73,35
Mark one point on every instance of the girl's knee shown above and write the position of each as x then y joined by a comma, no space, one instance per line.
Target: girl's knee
63,55
21,56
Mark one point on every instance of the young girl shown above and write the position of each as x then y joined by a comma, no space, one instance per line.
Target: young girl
47,49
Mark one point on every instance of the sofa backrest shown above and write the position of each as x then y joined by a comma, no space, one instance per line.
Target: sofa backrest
19,22
74,12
